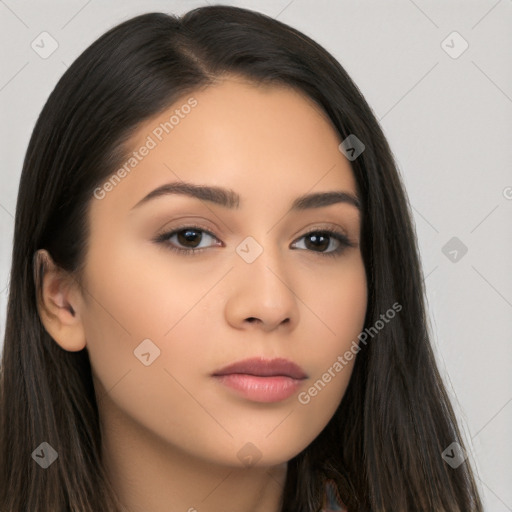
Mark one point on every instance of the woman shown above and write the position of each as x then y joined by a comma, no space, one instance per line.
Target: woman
283,366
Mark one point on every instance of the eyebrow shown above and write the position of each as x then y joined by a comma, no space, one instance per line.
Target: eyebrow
228,198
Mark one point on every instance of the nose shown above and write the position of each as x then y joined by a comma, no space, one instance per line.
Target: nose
262,294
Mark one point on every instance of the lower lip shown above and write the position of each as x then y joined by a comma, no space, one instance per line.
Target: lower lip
261,389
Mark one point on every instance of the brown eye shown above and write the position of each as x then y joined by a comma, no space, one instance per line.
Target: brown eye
189,236
320,241
187,239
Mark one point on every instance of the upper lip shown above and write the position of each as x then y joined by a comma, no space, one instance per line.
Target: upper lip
260,366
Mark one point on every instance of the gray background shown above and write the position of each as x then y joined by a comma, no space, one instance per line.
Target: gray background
448,119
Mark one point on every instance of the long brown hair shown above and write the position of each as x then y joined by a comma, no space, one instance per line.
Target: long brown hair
383,446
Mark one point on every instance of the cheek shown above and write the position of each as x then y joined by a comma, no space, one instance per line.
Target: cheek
131,299
341,303
139,295
340,300
165,396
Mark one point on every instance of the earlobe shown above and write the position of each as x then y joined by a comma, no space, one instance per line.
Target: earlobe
58,302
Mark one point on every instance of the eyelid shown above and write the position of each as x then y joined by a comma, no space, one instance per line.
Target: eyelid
325,226
192,223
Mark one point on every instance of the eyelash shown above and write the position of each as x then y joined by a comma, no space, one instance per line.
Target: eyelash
340,237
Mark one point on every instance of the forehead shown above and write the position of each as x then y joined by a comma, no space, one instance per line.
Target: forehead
252,138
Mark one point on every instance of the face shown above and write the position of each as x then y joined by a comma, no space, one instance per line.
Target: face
181,286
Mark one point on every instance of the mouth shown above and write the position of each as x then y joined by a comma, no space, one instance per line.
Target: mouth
260,367
262,380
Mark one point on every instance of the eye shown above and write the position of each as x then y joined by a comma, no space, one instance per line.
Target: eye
321,240
189,237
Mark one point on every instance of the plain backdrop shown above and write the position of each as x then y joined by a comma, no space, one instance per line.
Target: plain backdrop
438,76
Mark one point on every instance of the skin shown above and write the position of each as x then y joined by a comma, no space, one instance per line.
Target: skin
171,432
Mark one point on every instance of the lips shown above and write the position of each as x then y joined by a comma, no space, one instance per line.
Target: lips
261,367
262,380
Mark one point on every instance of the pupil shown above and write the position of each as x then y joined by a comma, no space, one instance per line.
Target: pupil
317,243
189,235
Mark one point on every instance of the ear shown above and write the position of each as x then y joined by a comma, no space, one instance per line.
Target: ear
59,302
